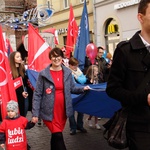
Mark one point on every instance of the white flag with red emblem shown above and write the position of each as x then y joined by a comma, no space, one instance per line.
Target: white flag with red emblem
55,33
7,91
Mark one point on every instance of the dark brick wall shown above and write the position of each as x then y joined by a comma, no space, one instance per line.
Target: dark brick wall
14,5
30,4
17,6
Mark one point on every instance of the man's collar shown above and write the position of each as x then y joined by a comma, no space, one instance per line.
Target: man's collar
144,41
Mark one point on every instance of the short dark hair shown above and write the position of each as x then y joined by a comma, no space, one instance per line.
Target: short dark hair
56,52
73,61
143,6
100,48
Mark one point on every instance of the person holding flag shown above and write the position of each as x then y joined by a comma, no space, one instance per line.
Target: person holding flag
18,73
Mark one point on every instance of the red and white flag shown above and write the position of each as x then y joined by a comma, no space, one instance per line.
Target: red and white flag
18,82
38,50
7,90
55,33
72,33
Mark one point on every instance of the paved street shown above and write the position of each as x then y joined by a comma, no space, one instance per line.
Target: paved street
39,138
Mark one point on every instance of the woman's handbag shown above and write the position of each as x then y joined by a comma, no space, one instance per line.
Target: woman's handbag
115,130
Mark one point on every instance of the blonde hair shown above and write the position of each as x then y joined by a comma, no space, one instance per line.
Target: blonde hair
90,73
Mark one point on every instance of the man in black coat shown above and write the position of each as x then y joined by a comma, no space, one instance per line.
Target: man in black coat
129,83
103,66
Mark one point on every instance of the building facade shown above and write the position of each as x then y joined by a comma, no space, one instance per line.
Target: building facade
60,18
110,21
115,20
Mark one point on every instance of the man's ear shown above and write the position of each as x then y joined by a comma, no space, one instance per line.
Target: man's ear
140,17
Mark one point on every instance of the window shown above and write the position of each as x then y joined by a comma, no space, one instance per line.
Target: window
91,37
64,39
66,5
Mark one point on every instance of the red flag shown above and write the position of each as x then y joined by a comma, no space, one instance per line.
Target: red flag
38,50
71,33
18,82
8,47
7,90
55,33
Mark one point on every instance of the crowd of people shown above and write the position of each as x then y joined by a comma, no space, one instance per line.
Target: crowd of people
51,99
54,86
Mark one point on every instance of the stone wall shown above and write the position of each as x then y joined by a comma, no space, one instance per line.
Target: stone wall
17,7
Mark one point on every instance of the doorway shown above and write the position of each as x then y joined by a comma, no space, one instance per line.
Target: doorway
112,35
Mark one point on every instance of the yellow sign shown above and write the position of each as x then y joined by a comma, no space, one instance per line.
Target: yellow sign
111,29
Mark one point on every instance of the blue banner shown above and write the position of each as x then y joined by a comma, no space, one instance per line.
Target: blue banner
83,38
32,75
94,102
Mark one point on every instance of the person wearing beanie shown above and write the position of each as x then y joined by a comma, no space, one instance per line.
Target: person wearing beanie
12,109
12,128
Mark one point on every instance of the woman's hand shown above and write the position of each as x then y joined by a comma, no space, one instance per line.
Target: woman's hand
86,88
25,94
3,146
34,119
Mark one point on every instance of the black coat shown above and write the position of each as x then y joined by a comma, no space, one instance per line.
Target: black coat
131,63
21,99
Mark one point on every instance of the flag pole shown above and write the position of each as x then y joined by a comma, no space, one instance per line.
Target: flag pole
23,85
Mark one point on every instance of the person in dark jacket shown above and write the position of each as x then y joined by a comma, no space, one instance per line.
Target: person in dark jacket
18,70
52,97
131,64
103,65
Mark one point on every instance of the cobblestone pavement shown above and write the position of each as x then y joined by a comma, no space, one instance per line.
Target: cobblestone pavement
39,137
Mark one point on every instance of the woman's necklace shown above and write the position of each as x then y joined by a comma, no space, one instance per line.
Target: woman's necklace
57,72
57,75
